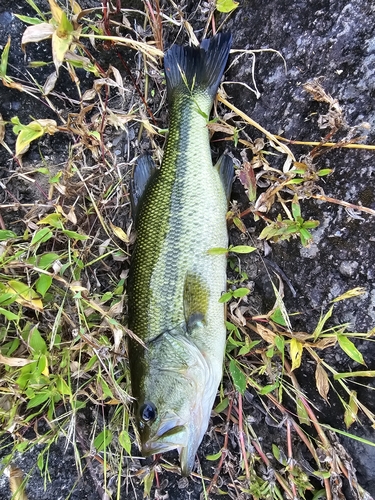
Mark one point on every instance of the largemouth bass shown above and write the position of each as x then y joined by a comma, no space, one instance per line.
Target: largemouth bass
174,282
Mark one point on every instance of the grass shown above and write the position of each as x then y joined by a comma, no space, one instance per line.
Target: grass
62,283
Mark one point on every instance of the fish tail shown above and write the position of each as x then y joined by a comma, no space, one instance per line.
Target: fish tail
197,69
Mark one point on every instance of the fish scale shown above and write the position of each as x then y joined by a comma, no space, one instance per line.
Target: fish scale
174,283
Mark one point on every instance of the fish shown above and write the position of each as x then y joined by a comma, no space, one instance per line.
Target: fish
175,280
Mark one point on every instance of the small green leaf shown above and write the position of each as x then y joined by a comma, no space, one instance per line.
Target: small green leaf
296,208
242,249
46,260
63,387
40,462
53,220
41,236
230,326
7,235
239,224
322,321
268,388
303,416
217,251
324,475
324,171
91,363
8,314
43,284
310,224
75,236
37,342
222,405
4,60
95,134
28,20
225,297
306,237
351,410
226,6
276,452
125,442
277,317
102,440
214,457
148,481
55,178
280,342
238,377
106,390
240,292
350,349
296,180
39,399
244,350
7,298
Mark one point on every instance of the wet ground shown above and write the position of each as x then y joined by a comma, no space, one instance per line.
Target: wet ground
333,40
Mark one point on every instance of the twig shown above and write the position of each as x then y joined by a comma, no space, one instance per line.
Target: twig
349,145
290,456
241,433
224,450
343,203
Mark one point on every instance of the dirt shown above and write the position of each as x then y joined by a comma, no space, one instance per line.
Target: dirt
333,40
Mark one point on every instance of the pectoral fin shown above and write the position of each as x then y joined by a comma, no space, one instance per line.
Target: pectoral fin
142,174
196,296
225,168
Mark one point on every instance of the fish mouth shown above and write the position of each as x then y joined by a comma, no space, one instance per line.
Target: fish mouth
169,436
179,437
173,434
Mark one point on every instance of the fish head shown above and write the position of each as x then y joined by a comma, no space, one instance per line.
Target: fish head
175,401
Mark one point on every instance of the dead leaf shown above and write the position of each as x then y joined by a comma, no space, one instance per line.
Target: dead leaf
14,361
37,33
16,483
56,11
266,334
120,233
118,79
2,129
322,381
50,83
351,410
247,178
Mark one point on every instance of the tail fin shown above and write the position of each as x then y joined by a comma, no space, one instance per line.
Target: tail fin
199,68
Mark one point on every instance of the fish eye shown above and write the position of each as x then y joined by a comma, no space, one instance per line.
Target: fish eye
147,412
